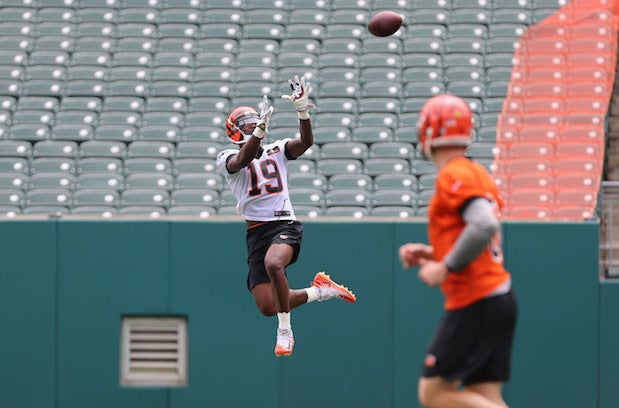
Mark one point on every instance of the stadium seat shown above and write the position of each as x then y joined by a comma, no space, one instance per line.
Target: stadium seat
393,197
53,164
159,133
334,89
528,181
401,150
372,134
211,181
181,166
350,181
392,181
147,165
41,72
14,181
48,196
94,210
345,105
145,197
329,119
93,103
344,150
425,89
51,181
76,117
373,119
53,148
376,166
204,149
421,167
358,197
95,180
32,117
393,211
149,181
96,197
307,196
125,133
347,211
330,167
35,102
338,60
15,148
201,211
72,132
429,16
14,165
308,211
389,103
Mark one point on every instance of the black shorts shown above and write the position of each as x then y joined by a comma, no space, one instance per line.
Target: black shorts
260,238
474,344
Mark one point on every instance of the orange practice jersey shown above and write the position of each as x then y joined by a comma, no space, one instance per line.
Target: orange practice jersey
457,182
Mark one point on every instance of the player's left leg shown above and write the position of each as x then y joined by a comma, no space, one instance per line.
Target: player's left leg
491,390
263,297
276,259
437,392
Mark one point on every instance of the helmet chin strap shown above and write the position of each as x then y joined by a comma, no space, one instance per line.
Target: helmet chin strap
245,136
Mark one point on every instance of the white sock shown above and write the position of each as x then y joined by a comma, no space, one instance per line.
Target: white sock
284,320
313,293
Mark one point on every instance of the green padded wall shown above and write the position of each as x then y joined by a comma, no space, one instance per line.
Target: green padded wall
609,340
106,270
343,352
417,309
555,268
65,284
231,356
28,314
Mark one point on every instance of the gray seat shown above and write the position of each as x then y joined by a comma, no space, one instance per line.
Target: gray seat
50,180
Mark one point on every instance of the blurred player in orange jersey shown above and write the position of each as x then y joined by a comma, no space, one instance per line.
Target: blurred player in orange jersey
473,342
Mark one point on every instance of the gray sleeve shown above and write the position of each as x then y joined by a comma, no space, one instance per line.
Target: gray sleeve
481,225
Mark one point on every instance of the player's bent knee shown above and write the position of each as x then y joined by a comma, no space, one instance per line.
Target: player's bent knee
267,310
429,390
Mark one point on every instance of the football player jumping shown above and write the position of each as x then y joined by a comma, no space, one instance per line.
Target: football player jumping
257,175
473,342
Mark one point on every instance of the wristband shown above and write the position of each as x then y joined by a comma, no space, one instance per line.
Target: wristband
303,115
258,132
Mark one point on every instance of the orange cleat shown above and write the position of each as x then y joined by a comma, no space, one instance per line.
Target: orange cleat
285,342
329,289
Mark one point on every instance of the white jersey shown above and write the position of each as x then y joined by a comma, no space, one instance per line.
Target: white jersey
261,188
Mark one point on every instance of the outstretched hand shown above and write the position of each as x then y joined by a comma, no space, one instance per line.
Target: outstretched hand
412,254
300,96
266,110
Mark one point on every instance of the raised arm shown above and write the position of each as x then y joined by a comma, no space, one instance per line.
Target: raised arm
300,99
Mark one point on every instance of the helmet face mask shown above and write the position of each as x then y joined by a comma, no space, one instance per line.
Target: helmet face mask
236,122
445,121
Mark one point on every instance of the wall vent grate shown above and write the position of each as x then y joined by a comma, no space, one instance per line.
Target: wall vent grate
153,351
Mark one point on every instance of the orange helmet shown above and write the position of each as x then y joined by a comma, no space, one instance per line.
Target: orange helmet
445,120
237,119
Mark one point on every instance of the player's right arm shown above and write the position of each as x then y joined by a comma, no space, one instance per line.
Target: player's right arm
246,154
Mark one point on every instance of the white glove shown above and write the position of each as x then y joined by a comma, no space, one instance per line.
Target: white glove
266,110
300,96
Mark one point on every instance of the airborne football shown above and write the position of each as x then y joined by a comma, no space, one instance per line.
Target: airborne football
384,23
